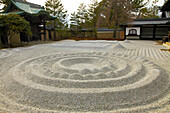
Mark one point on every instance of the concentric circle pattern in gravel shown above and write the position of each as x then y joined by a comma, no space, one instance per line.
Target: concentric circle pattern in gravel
84,76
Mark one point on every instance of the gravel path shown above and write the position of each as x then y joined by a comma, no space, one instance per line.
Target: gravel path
85,76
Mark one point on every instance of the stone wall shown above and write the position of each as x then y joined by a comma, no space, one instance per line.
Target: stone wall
58,36
109,35
42,35
133,37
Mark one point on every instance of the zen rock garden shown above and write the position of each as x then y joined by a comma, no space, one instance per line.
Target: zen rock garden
85,76
107,57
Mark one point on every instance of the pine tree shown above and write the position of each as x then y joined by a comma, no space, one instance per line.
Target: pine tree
93,14
75,23
82,16
139,7
56,8
153,10
150,12
85,18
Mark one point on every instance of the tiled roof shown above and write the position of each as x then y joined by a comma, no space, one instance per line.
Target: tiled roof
30,4
26,8
106,29
157,21
148,22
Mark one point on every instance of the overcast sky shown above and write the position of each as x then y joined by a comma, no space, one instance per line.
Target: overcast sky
72,5
69,5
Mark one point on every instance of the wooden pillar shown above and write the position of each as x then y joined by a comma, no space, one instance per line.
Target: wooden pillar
44,28
84,34
49,33
125,32
67,34
72,33
154,32
140,32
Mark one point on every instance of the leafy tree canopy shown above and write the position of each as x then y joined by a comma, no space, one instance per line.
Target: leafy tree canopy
14,24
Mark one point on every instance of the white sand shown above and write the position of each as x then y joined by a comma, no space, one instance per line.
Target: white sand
85,76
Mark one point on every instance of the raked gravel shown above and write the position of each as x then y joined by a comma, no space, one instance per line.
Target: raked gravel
85,76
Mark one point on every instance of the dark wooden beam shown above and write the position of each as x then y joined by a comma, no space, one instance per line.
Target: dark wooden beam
154,32
44,28
84,34
140,32
91,33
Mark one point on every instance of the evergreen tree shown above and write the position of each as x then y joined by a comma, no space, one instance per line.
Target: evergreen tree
56,8
75,23
79,20
93,14
150,12
82,16
153,10
139,7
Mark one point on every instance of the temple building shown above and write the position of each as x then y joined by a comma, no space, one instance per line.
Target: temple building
35,14
153,28
166,10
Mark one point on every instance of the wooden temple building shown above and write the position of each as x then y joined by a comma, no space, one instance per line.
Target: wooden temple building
153,28
166,10
35,14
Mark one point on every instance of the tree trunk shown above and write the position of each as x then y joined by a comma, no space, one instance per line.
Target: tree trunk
9,38
115,31
54,31
116,18
95,29
9,42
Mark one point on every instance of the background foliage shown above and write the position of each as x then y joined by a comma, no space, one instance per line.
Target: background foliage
14,24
